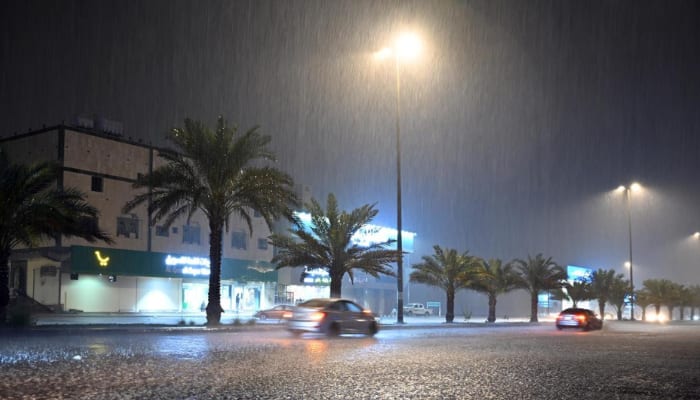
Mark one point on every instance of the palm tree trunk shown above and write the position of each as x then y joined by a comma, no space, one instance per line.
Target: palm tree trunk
619,313
533,306
682,310
214,309
336,285
4,289
492,308
450,314
601,307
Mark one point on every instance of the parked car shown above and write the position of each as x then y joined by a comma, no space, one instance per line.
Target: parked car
578,318
332,317
416,309
277,312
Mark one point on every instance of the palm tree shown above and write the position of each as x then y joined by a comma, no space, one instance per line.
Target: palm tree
601,283
579,290
447,270
643,300
32,209
330,244
218,173
659,293
539,274
617,294
494,278
694,300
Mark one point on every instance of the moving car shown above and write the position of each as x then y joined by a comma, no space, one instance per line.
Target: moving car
333,317
277,312
578,318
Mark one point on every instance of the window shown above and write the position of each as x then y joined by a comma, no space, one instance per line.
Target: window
262,244
238,240
97,184
190,234
162,231
126,226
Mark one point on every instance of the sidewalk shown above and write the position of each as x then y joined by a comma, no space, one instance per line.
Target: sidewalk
190,320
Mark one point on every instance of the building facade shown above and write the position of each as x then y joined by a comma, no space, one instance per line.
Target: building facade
148,268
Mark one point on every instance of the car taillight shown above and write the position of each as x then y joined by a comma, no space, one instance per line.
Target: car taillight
287,314
581,318
317,316
368,313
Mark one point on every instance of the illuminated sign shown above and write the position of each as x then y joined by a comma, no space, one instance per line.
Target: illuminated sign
186,265
369,234
579,273
104,261
315,276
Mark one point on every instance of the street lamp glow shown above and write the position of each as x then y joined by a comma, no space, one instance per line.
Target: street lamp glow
384,53
696,235
407,46
635,186
627,264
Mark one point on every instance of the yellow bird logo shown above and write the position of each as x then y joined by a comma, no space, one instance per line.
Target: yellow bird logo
102,260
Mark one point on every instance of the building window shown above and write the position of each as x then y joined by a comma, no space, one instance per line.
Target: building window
162,231
238,240
190,234
262,244
97,184
126,226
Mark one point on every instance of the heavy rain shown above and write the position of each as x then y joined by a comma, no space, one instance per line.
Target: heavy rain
518,118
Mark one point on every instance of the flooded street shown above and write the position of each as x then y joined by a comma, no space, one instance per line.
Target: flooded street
530,361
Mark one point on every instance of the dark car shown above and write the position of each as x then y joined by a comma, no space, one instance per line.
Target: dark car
278,312
581,318
332,317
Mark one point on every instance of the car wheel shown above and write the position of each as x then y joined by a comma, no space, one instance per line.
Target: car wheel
262,317
372,329
559,327
409,313
296,333
333,330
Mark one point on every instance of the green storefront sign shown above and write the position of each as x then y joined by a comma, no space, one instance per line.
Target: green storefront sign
101,260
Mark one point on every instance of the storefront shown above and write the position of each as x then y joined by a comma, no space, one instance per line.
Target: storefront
96,279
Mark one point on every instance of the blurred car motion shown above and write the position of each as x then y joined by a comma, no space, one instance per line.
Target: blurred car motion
277,312
332,317
578,318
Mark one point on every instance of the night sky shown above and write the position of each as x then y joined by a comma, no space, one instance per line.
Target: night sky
518,120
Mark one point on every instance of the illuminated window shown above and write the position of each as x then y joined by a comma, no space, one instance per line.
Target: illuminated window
238,240
190,234
97,184
262,244
162,231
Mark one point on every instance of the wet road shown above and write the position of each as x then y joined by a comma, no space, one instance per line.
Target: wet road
624,361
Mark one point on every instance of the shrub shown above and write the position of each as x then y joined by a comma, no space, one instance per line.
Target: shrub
19,316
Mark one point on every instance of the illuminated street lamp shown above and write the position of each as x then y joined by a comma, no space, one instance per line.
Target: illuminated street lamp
406,47
628,196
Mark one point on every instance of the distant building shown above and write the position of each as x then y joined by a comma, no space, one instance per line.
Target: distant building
149,268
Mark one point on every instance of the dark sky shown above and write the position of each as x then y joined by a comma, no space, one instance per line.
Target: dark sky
517,119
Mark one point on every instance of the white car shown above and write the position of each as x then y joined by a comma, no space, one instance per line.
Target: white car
416,309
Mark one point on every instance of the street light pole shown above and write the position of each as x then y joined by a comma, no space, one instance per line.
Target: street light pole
629,227
399,239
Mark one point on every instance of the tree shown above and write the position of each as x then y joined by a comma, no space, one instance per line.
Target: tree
448,270
539,274
601,283
643,300
494,278
330,246
579,290
659,292
218,173
617,294
32,209
694,300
